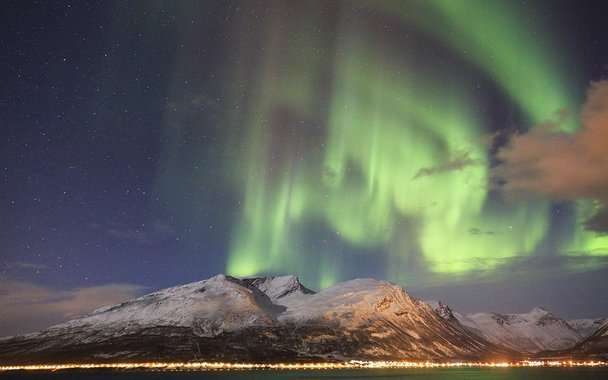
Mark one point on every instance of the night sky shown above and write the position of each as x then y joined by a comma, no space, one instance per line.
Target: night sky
459,148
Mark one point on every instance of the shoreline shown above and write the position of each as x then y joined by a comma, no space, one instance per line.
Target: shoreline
353,364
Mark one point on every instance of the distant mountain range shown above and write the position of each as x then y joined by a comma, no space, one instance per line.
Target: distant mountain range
593,346
531,332
271,319
586,327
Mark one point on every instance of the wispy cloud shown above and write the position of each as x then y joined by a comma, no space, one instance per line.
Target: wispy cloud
458,163
477,231
145,234
517,284
560,165
25,306
522,267
26,265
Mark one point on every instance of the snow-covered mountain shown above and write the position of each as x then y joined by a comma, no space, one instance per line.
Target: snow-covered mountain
535,331
595,346
277,287
586,327
256,319
445,312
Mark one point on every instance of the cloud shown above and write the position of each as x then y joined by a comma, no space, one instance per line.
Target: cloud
599,221
26,265
477,231
460,162
566,287
560,165
522,267
25,306
152,233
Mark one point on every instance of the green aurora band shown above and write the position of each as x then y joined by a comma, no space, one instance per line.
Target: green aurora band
383,152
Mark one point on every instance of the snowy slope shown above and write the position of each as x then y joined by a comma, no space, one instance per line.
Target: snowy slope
214,300
586,327
277,287
537,330
256,319
383,314
595,346
602,331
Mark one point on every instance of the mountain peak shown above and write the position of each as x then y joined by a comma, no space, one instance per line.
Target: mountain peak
538,311
442,310
256,318
276,287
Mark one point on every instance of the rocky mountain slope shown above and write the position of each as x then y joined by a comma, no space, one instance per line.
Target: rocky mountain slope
595,346
535,331
586,327
259,319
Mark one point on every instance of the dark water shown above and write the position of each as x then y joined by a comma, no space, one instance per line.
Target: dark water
359,374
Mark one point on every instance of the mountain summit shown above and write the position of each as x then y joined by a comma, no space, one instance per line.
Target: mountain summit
535,331
277,287
257,319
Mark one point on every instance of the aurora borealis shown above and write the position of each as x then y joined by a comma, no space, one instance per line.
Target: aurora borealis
455,147
391,160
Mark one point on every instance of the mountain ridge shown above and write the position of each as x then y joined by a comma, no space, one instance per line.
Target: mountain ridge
594,346
256,319
532,332
586,326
